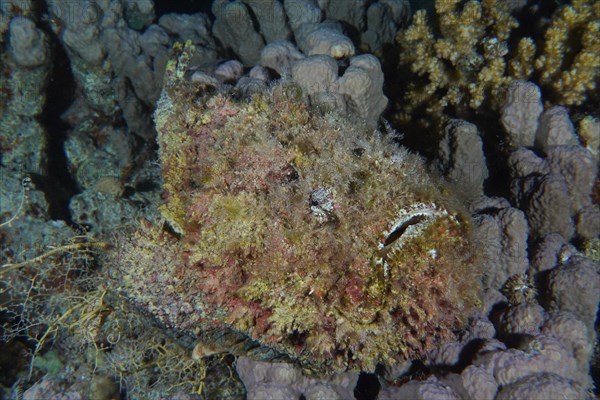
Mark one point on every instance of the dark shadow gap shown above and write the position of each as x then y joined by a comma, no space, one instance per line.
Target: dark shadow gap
57,183
162,7
367,387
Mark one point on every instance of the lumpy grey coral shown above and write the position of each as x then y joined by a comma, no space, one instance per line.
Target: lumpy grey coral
543,354
271,18
359,89
555,129
476,383
315,74
234,29
321,39
28,45
25,66
362,84
550,251
267,41
502,231
573,333
430,389
383,19
461,159
229,71
579,169
548,208
264,380
556,191
120,68
520,113
280,56
540,387
574,286
525,168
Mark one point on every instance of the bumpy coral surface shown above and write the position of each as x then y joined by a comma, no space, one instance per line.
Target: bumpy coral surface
315,236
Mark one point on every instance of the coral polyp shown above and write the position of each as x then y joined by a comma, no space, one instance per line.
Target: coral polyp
314,235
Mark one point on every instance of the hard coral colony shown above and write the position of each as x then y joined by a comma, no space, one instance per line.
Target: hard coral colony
314,235
463,57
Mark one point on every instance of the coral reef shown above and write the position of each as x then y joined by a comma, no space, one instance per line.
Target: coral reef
520,113
465,66
333,28
428,389
235,29
383,20
464,63
566,177
589,134
22,100
577,275
282,380
461,159
555,129
568,61
358,91
279,207
119,69
28,45
293,243
502,232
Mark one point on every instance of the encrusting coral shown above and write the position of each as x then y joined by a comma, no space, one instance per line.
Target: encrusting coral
315,236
